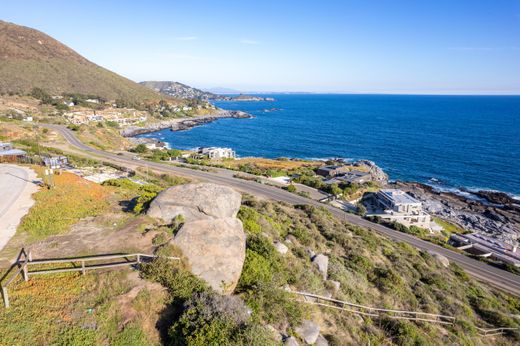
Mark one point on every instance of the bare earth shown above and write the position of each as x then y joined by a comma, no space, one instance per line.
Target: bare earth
17,184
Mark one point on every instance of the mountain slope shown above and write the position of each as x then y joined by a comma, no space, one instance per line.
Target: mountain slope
30,58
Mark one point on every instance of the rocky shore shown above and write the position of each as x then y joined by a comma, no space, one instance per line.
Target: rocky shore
180,124
494,214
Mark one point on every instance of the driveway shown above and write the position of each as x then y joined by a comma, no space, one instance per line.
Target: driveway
17,184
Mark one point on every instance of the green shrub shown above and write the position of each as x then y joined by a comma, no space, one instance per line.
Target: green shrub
131,335
291,188
76,336
256,270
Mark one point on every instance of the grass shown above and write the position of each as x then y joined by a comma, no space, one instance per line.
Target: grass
72,309
448,226
58,208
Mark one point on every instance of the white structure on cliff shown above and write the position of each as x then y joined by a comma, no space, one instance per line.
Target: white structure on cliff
215,153
396,205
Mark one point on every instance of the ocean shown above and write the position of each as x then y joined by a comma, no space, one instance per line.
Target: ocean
451,142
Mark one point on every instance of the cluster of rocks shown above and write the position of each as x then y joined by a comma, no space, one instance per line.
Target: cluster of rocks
376,173
478,213
309,332
178,124
211,239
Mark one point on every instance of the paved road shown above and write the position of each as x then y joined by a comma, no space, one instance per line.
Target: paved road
483,272
16,187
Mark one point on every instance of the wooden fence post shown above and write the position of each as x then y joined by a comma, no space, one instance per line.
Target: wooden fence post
25,272
138,258
5,296
82,267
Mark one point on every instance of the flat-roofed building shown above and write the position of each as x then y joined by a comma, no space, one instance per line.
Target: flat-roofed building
215,153
332,171
396,205
9,154
484,246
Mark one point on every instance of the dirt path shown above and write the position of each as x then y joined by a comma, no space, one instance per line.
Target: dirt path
17,184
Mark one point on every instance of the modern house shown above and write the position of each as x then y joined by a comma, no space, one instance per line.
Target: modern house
9,154
484,246
55,162
396,205
332,171
355,176
213,153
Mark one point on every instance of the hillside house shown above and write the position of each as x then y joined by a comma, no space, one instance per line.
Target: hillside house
9,154
332,171
396,205
215,153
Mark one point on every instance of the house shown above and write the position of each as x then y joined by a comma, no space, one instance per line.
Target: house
355,176
332,171
55,162
9,154
217,153
396,205
484,246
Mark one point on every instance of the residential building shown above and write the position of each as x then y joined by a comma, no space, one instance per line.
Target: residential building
9,154
55,162
396,205
217,153
484,246
332,171
355,176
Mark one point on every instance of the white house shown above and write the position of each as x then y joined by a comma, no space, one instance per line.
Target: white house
217,153
396,205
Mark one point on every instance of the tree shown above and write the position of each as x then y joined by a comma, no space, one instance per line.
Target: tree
361,210
140,149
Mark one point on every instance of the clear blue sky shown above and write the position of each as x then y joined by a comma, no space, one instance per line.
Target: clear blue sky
388,46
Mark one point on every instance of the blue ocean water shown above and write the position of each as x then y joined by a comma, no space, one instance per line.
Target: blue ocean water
458,141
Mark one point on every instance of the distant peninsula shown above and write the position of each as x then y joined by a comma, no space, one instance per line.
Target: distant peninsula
183,91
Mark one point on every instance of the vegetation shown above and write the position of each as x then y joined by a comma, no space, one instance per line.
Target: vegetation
56,209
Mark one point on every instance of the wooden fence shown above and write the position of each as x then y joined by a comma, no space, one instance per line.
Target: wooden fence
363,310
83,264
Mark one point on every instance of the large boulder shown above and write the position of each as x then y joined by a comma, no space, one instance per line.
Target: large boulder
322,263
201,201
215,250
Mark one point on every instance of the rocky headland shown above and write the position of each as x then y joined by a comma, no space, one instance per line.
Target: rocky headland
180,124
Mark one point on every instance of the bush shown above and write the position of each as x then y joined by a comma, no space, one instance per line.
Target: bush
256,270
140,149
291,188
132,335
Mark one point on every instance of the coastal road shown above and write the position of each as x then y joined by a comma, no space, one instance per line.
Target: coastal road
481,271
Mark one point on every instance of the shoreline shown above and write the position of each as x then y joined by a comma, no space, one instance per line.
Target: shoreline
181,124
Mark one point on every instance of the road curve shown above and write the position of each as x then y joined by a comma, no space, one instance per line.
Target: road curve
498,278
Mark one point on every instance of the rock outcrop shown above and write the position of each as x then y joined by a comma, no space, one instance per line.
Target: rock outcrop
215,250
376,173
322,263
280,247
212,239
202,201
308,331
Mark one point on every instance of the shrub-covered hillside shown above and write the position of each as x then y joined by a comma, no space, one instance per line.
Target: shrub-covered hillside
371,271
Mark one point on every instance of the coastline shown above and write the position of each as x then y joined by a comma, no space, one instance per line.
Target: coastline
181,124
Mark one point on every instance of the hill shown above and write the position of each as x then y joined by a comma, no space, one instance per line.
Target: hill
179,90
183,91
30,58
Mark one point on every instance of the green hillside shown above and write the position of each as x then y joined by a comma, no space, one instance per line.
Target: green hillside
30,58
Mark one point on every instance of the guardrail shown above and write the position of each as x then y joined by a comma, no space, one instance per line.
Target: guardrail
363,310
78,264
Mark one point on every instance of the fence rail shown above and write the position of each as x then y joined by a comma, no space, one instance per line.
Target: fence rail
369,311
21,267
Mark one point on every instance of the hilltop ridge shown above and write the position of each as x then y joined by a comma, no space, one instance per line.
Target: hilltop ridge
31,59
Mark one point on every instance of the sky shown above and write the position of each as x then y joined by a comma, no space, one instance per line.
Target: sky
352,46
